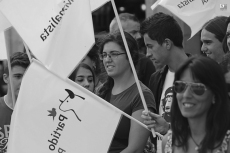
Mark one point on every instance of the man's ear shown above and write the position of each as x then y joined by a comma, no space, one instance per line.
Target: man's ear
6,78
168,43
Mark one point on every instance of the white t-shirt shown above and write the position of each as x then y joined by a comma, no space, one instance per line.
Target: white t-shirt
165,103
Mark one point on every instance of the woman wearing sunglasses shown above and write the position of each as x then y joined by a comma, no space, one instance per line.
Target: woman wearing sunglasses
200,112
120,90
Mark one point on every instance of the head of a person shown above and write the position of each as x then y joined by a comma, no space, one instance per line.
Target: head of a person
19,62
113,54
212,35
200,94
161,34
226,41
129,23
84,76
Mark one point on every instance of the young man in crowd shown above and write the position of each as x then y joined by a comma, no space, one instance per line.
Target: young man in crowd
163,38
19,62
130,24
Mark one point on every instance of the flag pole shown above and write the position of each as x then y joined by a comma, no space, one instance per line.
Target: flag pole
10,71
27,51
131,61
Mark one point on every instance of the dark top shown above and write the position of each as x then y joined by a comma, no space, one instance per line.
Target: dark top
156,84
145,69
5,117
128,101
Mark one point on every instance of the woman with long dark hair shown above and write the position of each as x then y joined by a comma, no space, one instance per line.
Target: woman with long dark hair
200,112
120,90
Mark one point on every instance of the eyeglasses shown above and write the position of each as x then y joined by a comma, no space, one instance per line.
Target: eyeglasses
197,88
112,55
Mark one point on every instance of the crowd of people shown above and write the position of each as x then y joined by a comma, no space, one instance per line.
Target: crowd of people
187,96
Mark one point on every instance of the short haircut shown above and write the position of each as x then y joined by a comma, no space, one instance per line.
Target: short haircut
208,72
17,59
123,17
161,26
217,26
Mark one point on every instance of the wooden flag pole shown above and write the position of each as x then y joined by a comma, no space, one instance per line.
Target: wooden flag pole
10,71
131,61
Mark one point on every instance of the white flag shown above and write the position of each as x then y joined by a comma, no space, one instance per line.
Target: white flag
59,39
52,115
195,13
95,4
4,23
3,50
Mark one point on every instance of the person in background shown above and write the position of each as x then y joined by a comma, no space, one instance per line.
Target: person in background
164,41
200,110
84,76
120,90
130,24
92,59
19,62
212,35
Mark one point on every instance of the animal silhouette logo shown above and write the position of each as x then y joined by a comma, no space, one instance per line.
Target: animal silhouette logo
72,103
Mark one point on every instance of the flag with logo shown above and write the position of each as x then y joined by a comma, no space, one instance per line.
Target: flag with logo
54,115
195,13
58,38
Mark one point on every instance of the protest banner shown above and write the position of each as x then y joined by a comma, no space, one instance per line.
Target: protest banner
4,24
195,13
58,38
55,115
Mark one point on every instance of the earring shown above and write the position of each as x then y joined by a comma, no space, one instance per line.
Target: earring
214,100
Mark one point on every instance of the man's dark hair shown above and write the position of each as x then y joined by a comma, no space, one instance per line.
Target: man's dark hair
18,59
161,26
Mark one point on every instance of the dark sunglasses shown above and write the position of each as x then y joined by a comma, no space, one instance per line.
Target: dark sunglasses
197,88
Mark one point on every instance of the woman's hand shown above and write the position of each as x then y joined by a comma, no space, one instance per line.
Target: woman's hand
155,121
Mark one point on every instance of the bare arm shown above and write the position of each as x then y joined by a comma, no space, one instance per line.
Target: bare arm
164,141
138,135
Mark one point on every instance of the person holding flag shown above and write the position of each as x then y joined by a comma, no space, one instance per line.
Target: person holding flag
19,62
121,91
164,41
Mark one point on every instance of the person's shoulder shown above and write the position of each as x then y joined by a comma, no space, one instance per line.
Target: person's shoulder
144,87
1,101
158,73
